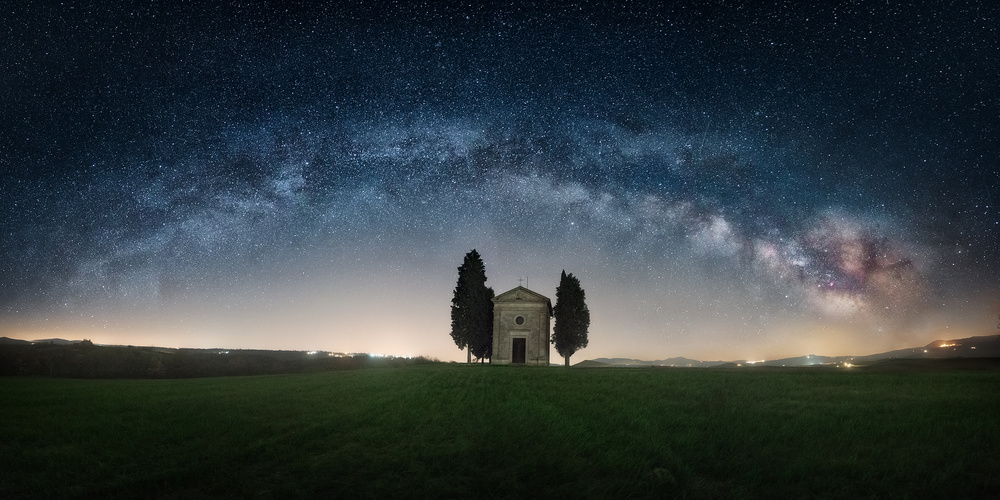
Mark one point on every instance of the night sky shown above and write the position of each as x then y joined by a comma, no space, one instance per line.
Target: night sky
727,181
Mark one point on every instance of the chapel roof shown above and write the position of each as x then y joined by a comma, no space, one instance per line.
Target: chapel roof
520,293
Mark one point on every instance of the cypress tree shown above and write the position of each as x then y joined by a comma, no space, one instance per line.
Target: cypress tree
572,317
472,309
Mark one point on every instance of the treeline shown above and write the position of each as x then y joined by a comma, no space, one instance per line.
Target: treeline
86,360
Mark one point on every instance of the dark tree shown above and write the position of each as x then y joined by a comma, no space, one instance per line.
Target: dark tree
472,309
572,317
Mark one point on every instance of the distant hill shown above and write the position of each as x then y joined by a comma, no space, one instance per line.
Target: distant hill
56,341
83,359
807,360
679,361
590,363
972,347
10,341
987,346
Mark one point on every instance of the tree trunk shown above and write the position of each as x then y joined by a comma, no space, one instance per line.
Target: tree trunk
469,358
567,360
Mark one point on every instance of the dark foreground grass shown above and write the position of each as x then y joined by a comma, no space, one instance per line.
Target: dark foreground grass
490,431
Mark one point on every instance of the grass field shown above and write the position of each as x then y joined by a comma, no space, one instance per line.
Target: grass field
500,431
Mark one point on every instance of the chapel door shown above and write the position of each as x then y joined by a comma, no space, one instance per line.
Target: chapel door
519,348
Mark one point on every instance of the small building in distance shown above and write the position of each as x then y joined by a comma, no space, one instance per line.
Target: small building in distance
521,321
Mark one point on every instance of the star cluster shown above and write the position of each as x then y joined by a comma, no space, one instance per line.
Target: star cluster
725,180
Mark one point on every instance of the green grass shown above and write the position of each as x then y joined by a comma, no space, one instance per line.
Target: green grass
492,431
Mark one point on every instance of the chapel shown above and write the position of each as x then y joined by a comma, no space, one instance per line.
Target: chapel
521,320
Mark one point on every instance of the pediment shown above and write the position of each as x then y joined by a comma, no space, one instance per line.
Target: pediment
521,294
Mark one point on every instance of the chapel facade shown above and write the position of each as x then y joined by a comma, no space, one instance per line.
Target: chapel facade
521,322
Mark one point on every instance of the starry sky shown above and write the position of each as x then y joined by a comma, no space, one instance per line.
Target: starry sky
727,180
